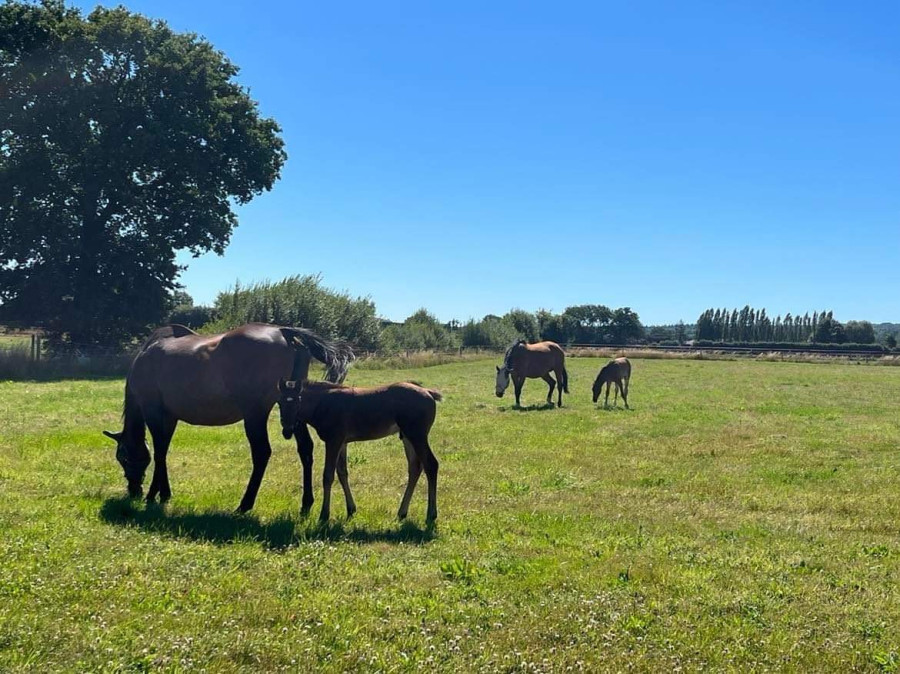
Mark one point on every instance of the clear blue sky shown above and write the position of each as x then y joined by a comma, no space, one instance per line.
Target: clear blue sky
471,157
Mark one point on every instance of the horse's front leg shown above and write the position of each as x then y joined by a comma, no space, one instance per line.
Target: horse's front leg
255,426
517,386
332,452
161,431
305,450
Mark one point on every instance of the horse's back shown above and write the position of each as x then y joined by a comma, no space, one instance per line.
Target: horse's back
541,357
212,380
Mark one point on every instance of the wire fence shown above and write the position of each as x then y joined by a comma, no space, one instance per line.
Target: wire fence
30,355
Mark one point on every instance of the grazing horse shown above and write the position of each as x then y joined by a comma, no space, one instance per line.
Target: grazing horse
342,414
215,380
616,372
532,361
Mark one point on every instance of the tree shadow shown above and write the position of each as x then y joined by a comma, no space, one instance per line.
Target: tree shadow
222,528
538,407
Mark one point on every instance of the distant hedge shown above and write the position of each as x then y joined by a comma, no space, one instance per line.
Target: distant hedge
795,346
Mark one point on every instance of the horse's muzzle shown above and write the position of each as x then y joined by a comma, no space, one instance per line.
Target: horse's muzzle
287,433
500,394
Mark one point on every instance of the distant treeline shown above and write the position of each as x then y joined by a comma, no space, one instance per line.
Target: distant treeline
754,325
303,300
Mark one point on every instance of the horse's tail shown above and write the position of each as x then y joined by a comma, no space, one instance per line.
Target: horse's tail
565,379
436,395
337,355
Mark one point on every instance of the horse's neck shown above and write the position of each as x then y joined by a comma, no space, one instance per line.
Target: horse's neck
133,419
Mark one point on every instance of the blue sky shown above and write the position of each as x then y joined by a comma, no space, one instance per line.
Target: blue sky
471,157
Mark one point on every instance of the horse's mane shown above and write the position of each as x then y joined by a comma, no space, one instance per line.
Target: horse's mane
510,350
336,354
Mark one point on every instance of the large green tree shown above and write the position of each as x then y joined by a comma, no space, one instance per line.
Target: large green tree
121,142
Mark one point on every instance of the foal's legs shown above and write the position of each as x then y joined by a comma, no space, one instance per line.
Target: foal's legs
430,464
305,450
255,426
332,452
552,384
345,482
161,431
414,468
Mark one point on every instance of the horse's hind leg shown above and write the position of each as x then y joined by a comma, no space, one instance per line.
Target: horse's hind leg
552,384
345,481
625,394
414,468
255,426
305,450
161,430
560,378
430,465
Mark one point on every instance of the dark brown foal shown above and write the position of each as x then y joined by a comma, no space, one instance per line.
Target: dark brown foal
343,414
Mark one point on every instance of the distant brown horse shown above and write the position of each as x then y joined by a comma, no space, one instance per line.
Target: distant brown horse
215,380
341,414
616,372
523,360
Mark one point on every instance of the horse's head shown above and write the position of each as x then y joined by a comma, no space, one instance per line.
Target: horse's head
602,377
134,457
289,398
503,373
598,386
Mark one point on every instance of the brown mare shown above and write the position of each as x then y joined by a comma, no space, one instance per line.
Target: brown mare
342,414
616,372
525,360
215,380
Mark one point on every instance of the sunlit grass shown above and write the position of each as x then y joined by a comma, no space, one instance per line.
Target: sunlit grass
744,515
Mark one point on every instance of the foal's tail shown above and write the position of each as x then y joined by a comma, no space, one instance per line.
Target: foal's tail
436,395
565,380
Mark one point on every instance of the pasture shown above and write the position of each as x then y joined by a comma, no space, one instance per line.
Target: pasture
743,515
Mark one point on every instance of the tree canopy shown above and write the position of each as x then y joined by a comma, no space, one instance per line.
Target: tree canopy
121,142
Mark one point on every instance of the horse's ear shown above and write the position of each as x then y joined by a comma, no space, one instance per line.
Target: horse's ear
113,436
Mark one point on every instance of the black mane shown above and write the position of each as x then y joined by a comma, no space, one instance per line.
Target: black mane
509,351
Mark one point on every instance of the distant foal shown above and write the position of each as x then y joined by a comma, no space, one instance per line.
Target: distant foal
342,414
616,372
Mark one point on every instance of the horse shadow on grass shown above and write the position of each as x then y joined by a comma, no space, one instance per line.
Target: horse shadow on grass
222,528
537,407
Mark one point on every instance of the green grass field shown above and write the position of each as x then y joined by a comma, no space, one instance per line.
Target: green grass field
742,516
